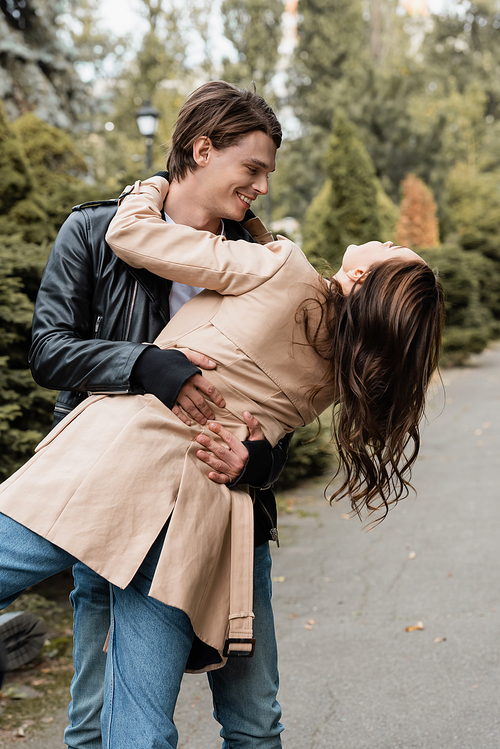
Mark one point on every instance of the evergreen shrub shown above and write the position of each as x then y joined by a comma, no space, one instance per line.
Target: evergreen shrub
351,206
311,454
25,408
471,283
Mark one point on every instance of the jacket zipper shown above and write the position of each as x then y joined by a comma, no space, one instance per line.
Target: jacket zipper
132,304
62,409
273,531
97,325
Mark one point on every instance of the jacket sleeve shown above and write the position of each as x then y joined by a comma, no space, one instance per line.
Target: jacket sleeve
140,237
65,354
265,463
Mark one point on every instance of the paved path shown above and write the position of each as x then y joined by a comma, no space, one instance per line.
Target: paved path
355,679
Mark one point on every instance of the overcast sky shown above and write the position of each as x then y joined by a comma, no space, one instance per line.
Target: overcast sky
122,16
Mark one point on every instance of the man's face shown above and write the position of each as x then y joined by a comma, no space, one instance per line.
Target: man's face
235,176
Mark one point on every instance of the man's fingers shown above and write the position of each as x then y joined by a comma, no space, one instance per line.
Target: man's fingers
231,441
194,404
181,415
254,428
191,402
221,458
199,360
206,387
218,478
217,475
214,447
218,465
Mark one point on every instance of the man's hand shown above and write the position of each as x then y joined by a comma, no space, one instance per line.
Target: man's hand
229,460
191,401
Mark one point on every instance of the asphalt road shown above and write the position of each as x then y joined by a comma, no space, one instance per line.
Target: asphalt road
351,676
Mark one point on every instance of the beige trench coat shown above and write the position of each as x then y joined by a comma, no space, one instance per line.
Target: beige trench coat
104,482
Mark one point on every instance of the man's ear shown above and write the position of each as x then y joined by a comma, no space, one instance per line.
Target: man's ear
202,148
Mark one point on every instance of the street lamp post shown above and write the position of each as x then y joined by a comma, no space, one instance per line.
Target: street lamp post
147,122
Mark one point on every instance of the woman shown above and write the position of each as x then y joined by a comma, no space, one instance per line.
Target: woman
287,343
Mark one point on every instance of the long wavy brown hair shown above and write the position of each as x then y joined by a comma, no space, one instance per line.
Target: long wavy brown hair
382,342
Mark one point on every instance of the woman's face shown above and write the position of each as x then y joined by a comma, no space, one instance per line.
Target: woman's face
364,255
358,258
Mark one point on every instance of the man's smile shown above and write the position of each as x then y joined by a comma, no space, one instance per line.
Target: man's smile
246,200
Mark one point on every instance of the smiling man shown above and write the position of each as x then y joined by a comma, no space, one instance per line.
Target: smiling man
93,316
223,149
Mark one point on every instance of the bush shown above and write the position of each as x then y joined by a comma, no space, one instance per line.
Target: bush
310,454
472,210
57,170
471,283
346,210
25,408
41,170
417,225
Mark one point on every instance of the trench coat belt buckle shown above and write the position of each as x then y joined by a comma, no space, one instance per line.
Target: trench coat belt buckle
239,653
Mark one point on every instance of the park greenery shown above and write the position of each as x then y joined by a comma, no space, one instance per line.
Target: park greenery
391,128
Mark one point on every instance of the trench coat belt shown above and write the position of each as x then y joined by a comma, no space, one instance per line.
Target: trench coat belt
240,640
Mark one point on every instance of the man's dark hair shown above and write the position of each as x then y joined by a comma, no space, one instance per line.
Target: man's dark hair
222,113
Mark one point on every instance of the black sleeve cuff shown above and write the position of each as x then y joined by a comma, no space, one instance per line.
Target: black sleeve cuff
258,466
161,372
265,463
279,455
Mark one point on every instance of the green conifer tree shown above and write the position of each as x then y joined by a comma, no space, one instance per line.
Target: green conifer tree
16,180
25,408
57,169
254,29
418,224
39,183
346,210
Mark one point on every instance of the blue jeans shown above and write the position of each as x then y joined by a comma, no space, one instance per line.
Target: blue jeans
244,691
91,621
26,559
149,647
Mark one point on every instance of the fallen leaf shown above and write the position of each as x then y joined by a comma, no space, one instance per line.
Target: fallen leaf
417,626
307,626
292,616
412,555
280,579
20,692
345,516
20,732
311,622
478,432
440,639
486,424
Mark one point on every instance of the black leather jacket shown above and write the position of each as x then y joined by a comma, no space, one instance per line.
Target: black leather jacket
93,313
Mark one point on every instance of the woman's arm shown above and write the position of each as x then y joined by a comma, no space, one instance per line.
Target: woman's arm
140,237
